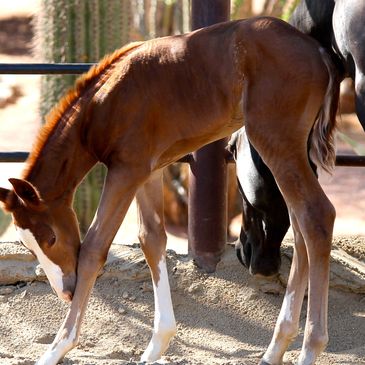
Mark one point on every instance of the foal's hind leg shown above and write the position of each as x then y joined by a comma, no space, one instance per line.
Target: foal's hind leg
313,216
287,325
153,240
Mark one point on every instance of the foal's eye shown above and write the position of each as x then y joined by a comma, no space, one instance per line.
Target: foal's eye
52,240
45,235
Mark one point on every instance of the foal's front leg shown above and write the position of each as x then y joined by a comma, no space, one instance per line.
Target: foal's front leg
153,240
119,189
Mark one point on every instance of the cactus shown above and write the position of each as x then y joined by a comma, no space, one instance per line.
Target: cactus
279,8
156,18
79,31
288,8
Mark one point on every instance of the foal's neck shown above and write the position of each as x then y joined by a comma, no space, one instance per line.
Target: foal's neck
61,157
63,160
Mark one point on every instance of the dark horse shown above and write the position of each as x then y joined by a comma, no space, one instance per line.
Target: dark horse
339,27
149,104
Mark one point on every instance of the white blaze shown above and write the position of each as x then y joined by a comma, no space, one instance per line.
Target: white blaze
53,271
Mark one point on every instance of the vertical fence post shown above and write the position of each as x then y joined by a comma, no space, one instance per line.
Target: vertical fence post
207,224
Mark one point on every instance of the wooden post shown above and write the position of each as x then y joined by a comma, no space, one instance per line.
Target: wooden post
208,171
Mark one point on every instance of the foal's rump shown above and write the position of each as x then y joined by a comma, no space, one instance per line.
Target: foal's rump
294,100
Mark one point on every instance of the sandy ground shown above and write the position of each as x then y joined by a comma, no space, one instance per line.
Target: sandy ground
223,318
226,318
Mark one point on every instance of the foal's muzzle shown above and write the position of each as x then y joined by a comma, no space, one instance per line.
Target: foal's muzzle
69,286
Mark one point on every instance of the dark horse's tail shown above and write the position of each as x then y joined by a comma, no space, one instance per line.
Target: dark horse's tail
322,146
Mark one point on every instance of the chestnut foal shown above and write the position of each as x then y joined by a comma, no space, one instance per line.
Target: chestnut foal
144,107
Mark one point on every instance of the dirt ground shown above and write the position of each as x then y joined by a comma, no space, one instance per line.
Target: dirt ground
226,318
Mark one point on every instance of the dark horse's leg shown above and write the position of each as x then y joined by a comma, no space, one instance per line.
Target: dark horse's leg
360,99
349,31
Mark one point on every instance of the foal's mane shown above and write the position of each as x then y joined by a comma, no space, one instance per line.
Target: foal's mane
67,101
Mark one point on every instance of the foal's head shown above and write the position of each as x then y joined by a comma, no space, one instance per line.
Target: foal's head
49,230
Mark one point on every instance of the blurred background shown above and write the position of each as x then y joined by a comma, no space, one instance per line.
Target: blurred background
84,31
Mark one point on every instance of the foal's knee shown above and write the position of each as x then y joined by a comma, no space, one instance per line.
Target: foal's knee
91,257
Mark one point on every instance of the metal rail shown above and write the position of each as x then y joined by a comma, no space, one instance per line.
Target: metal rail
79,68
13,156
341,160
44,68
200,241
350,160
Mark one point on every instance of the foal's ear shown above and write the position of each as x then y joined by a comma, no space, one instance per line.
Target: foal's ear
27,193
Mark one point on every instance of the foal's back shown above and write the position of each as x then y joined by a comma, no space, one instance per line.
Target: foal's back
174,94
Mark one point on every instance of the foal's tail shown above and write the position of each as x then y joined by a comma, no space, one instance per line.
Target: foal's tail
322,146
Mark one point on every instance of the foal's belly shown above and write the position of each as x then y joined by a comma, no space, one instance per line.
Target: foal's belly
189,143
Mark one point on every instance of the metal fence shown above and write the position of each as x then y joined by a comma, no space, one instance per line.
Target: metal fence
79,68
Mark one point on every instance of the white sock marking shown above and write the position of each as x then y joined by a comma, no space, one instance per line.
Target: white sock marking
164,322
61,345
278,343
286,312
